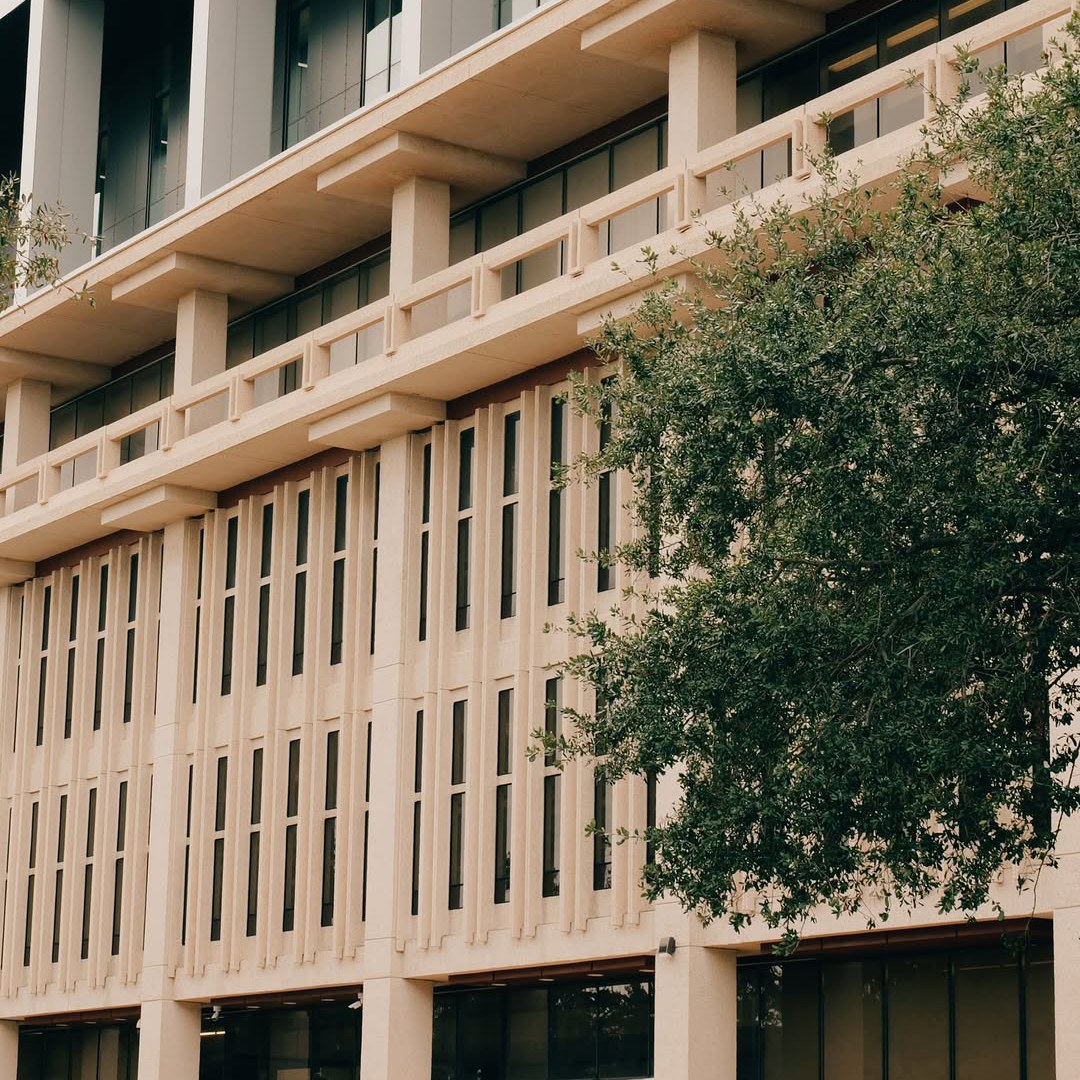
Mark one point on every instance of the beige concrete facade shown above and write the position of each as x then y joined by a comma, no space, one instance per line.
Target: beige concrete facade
149,598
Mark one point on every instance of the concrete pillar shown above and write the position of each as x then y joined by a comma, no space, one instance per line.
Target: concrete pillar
60,132
701,93
169,1040
9,1048
420,231
420,244
396,1043
26,421
232,83
388,832
169,1033
202,320
397,1012
695,1033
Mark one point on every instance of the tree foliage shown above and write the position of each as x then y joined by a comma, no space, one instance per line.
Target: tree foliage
855,463
32,238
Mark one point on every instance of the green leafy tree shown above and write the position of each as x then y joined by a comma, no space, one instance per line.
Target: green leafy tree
855,466
32,238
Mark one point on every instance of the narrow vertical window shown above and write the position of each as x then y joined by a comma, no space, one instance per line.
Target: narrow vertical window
329,854
129,637
58,891
503,757
43,664
118,867
88,872
303,511
456,878
228,623
556,506
337,602
418,784
466,446
552,786
218,880
602,834
425,541
73,631
31,881
292,808
367,821
187,855
198,618
263,642
605,509
508,553
650,814
254,841
375,559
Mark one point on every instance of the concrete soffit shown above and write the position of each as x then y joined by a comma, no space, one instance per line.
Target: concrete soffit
372,174
370,423
157,507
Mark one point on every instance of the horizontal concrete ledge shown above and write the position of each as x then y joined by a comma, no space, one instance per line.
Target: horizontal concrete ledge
13,571
161,284
373,422
160,506
373,173
65,374
643,31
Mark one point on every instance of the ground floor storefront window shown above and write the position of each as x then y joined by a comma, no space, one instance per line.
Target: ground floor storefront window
248,1043
962,1014
547,1031
104,1051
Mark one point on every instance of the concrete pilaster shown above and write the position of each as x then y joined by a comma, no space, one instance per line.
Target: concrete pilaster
420,231
26,421
701,93
696,987
202,320
60,132
169,1040
397,1030
9,1048
232,82
169,1033
397,1011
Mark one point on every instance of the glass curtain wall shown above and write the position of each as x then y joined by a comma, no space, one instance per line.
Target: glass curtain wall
14,38
252,1044
331,57
142,127
564,1031
973,1014
79,1052
849,53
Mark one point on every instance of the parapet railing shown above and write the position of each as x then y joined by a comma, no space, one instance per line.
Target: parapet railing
902,95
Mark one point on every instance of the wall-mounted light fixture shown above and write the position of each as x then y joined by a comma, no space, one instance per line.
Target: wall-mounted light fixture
666,947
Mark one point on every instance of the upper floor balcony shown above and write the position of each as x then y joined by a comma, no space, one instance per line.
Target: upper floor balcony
486,273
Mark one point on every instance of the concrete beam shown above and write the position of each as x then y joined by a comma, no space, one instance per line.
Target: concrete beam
374,422
63,373
372,174
14,572
161,284
159,506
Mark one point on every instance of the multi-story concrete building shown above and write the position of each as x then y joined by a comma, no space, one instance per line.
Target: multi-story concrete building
278,539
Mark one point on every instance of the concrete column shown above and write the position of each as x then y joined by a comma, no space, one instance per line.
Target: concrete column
169,1033
397,1011
169,1040
420,231
26,421
397,1030
694,1034
701,93
202,320
232,84
9,1048
60,132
